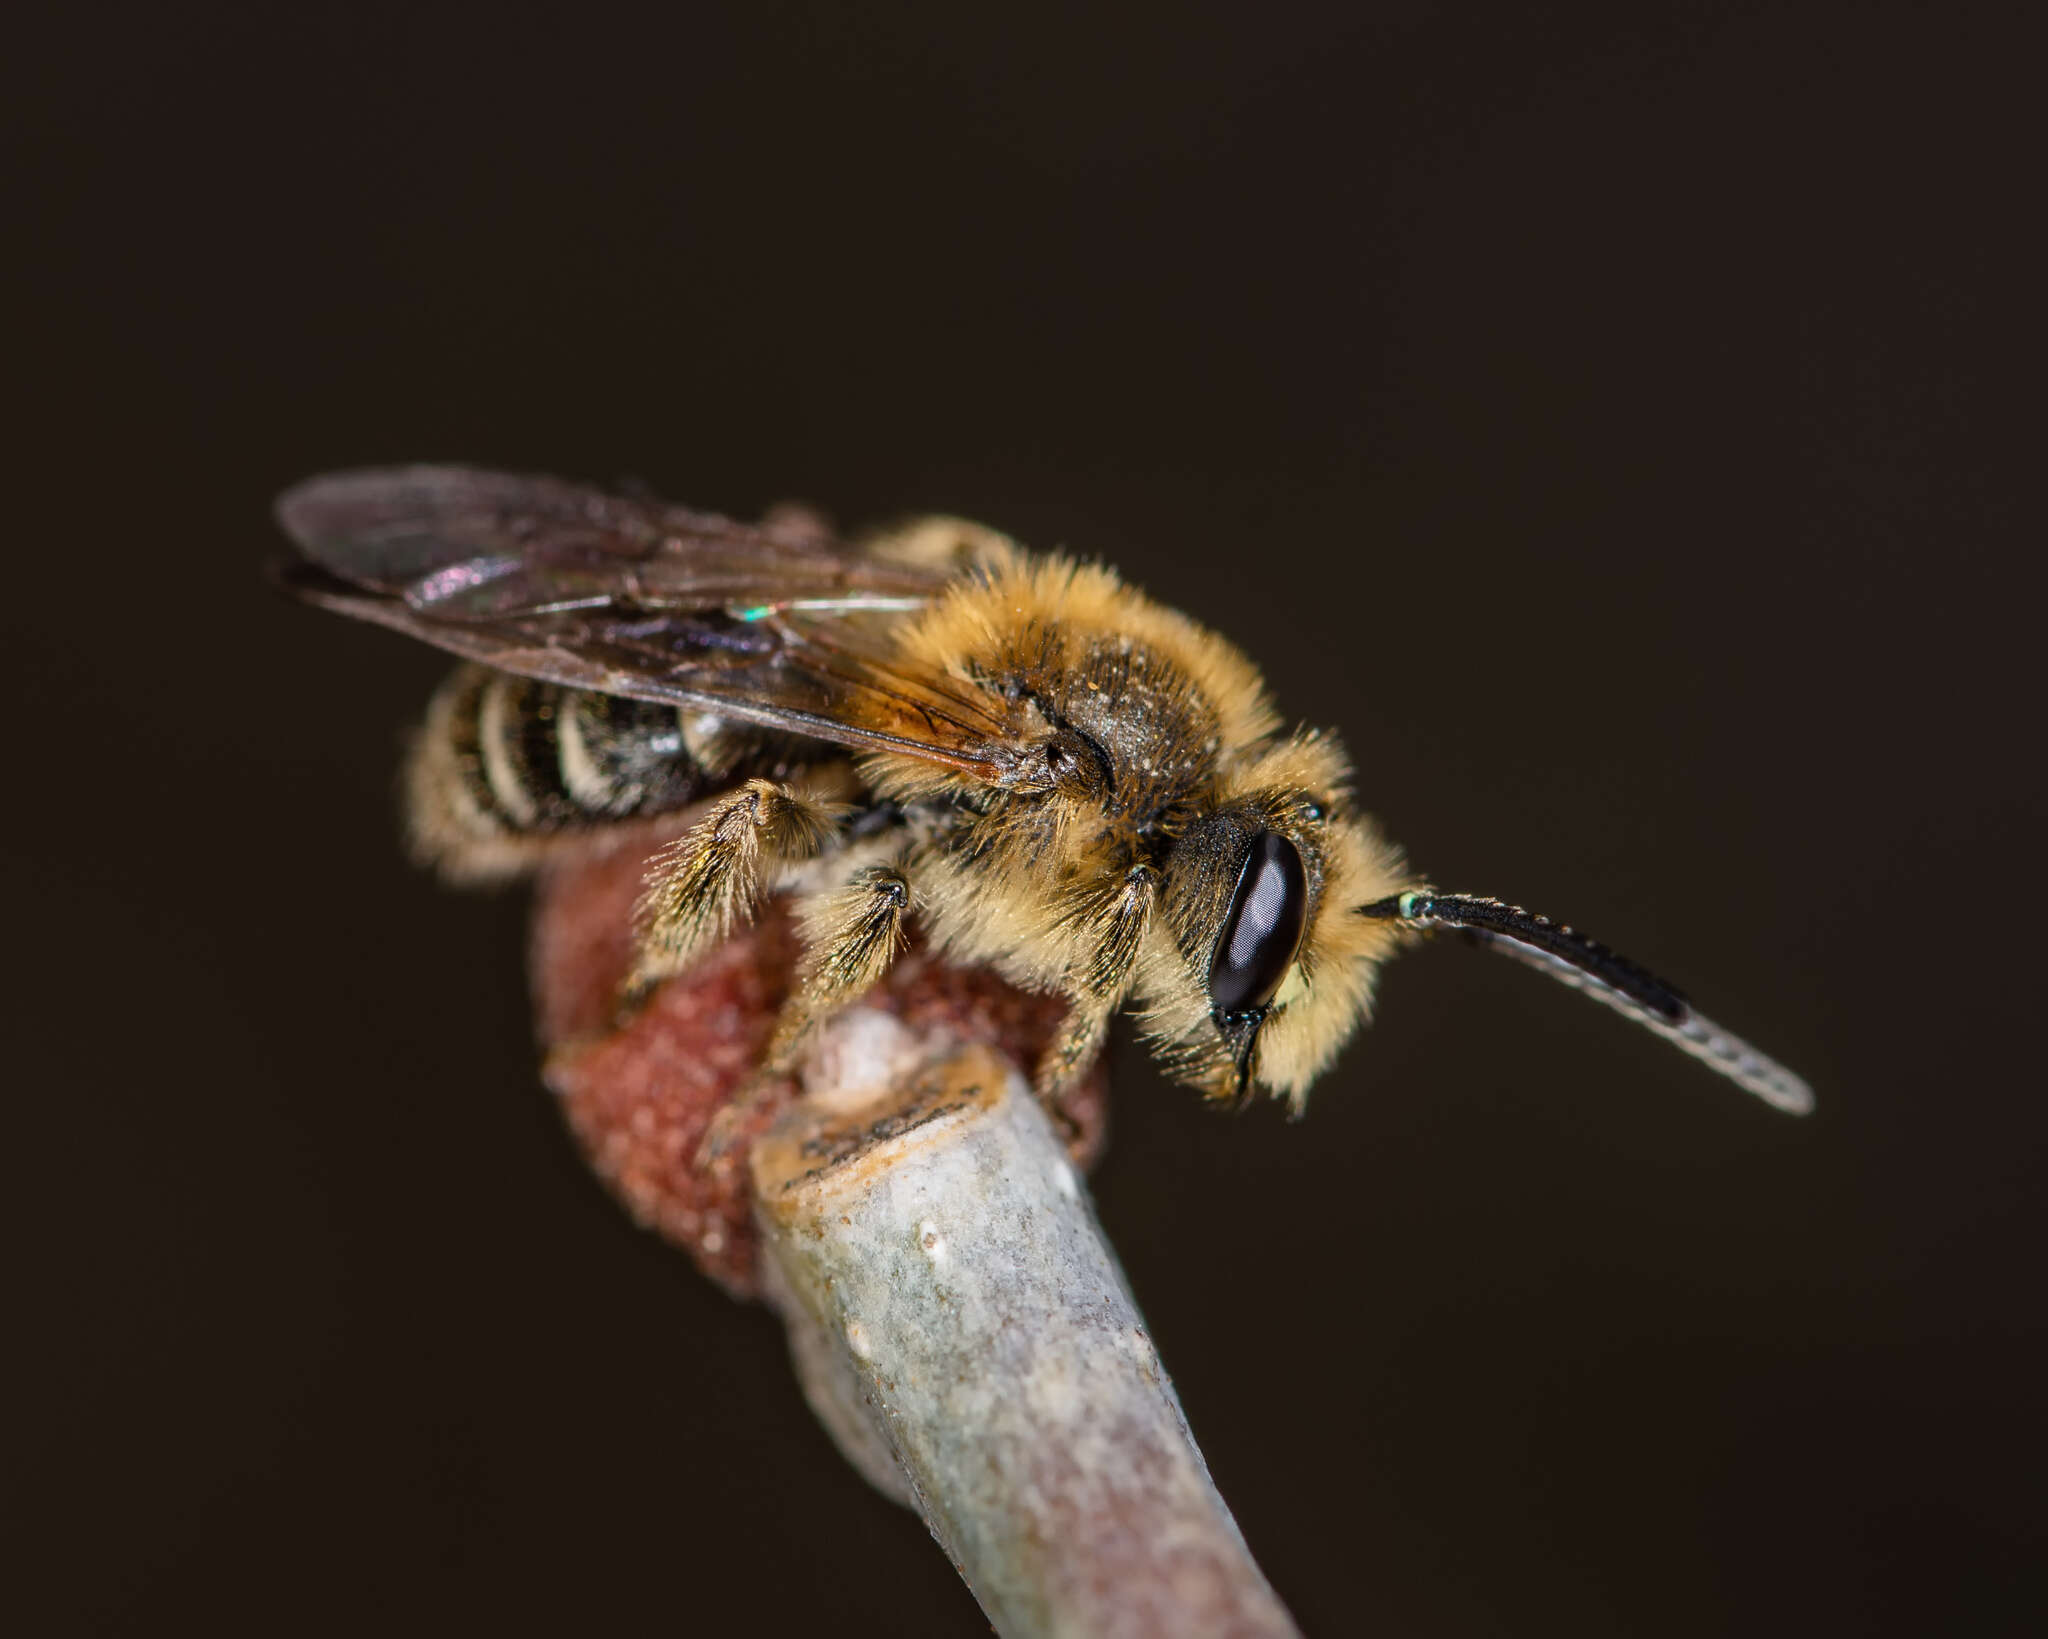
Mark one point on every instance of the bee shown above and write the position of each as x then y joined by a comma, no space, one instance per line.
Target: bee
1053,775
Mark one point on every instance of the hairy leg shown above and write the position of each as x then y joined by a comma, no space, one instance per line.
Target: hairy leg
852,924
716,873
851,934
1110,926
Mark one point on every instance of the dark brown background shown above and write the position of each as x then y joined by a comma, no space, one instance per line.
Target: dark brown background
1611,423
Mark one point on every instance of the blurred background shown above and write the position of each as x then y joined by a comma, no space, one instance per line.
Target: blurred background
1610,420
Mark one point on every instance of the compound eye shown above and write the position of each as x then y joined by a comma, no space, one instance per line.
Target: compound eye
1263,929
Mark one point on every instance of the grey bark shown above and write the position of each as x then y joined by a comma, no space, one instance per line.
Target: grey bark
962,1328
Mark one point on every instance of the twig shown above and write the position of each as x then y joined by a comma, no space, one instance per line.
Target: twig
962,1328
958,1321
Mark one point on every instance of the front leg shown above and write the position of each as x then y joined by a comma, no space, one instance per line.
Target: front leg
1109,925
716,873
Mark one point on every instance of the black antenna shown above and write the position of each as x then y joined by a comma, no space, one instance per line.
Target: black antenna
1585,964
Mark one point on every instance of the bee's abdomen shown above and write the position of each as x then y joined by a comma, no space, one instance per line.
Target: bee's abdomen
504,765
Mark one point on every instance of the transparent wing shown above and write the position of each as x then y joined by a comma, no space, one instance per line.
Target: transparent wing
574,585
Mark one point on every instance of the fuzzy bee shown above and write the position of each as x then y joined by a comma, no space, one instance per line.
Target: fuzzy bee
1057,777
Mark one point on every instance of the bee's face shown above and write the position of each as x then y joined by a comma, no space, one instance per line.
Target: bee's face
1264,969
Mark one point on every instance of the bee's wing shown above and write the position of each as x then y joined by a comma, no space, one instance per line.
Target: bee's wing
573,585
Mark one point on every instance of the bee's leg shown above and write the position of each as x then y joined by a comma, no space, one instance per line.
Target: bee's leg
851,935
1111,923
939,543
1074,1048
715,873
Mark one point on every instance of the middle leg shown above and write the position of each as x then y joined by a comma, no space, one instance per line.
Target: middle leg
851,935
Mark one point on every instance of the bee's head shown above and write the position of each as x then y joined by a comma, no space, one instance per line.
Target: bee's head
1263,971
